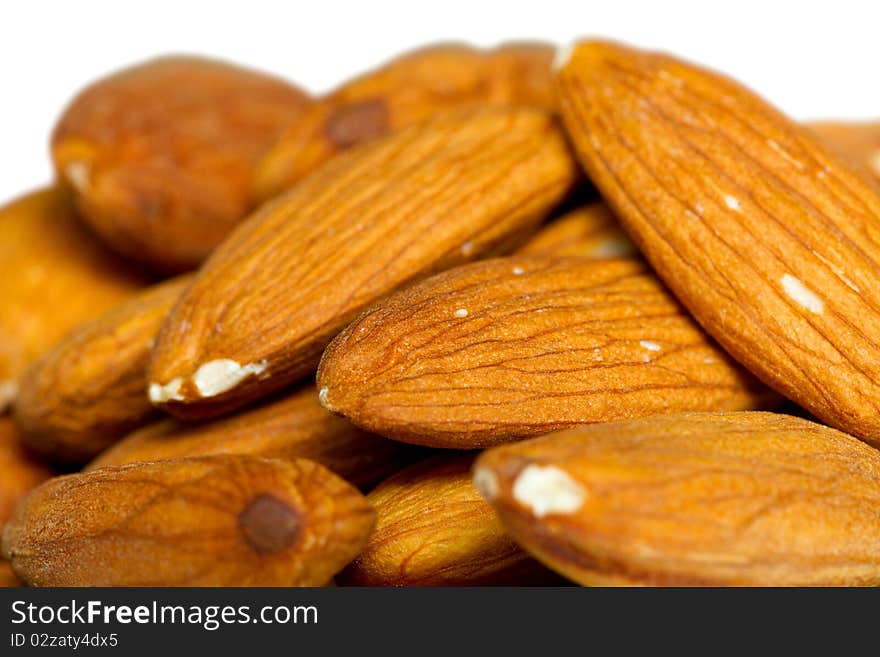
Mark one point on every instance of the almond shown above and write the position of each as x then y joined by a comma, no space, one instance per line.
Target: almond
859,142
19,472
218,521
590,231
712,499
289,426
769,239
53,277
265,305
514,347
403,92
434,529
161,155
90,390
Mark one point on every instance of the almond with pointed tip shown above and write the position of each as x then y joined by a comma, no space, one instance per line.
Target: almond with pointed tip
91,389
434,529
504,349
590,231
160,155
403,92
291,425
695,499
769,239
261,310
209,521
54,275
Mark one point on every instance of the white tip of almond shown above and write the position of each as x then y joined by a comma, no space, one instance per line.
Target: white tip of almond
563,55
77,174
162,393
218,376
547,489
322,398
486,483
8,393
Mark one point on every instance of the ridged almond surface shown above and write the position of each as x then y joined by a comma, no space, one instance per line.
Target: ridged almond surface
590,231
434,529
91,389
401,93
696,499
161,155
769,239
210,521
19,472
503,349
293,425
53,276
859,141
265,305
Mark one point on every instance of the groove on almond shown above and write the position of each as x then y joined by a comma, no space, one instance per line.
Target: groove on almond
545,344
769,239
261,310
693,499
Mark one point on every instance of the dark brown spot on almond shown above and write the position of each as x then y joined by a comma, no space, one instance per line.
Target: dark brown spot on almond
269,525
357,122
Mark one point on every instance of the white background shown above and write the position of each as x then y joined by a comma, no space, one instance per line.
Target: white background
813,59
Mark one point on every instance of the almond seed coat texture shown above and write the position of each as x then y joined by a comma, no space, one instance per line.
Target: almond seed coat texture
160,156
514,347
209,521
694,499
768,238
434,529
262,309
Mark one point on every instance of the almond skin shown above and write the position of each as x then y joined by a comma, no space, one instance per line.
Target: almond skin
210,521
19,472
53,276
514,347
293,425
859,142
590,231
161,155
90,390
696,499
770,240
404,92
434,529
262,309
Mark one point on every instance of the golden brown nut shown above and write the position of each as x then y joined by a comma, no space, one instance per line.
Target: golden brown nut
210,521
434,529
696,499
160,155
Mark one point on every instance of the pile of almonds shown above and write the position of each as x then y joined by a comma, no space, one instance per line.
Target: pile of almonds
251,337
